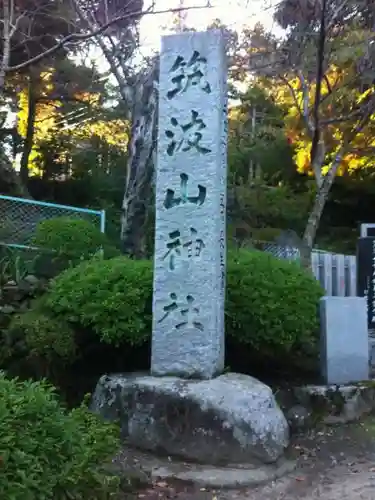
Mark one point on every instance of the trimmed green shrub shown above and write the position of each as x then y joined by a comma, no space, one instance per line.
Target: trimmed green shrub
37,345
113,298
271,310
71,240
272,304
40,335
44,335
48,453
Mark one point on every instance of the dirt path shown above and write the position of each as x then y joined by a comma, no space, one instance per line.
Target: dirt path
332,464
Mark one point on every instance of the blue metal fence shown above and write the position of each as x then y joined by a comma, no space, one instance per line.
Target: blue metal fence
19,218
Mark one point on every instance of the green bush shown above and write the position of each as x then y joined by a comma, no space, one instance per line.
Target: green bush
48,453
44,335
272,304
271,308
111,297
42,342
71,241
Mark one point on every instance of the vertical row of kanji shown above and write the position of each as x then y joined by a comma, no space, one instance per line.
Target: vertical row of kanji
189,269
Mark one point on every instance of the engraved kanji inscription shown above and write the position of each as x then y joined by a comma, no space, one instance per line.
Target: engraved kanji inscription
194,245
178,247
174,247
187,136
189,73
186,313
172,201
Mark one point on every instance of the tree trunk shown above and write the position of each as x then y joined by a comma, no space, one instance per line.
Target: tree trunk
6,29
28,141
138,199
317,210
315,216
10,182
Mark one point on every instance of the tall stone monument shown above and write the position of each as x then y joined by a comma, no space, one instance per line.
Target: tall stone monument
189,269
231,418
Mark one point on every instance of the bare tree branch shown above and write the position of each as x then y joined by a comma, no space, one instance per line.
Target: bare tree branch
336,14
341,119
85,36
293,94
328,85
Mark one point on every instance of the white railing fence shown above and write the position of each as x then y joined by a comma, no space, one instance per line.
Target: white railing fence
336,273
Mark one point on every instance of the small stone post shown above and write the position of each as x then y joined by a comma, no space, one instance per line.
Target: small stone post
344,345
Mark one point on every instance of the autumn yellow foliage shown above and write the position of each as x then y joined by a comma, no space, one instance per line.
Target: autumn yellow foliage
340,101
49,121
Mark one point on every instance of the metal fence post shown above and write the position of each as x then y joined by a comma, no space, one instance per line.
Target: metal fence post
102,221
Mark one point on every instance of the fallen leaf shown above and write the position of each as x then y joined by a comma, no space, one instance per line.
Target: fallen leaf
161,484
298,478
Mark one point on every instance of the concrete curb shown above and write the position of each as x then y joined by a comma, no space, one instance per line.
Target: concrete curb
207,476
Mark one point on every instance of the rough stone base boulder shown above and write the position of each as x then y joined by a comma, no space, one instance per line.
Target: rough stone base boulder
230,419
329,404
